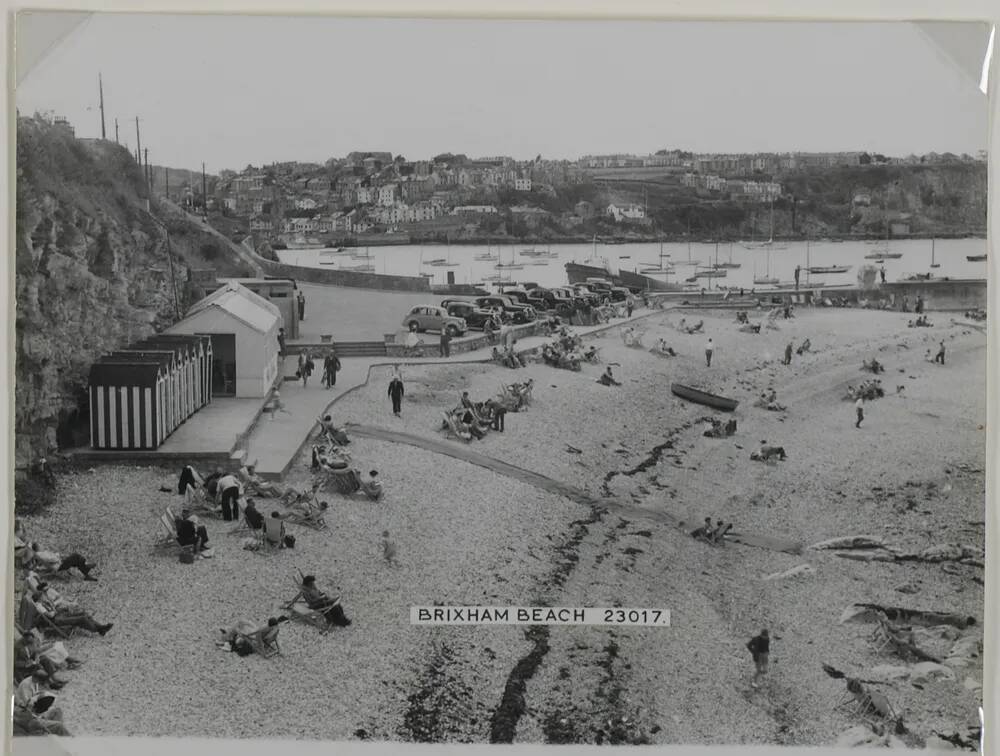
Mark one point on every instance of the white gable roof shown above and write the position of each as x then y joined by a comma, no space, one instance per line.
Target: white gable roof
243,305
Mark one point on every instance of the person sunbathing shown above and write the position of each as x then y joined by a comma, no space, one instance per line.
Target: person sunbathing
328,606
63,617
705,531
804,347
472,424
331,433
663,348
29,661
766,452
254,484
372,487
720,531
307,508
190,531
34,582
34,557
607,378
189,482
322,459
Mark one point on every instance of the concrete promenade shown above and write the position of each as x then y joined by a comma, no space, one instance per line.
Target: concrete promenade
276,442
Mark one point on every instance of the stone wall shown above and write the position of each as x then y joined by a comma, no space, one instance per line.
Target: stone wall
343,277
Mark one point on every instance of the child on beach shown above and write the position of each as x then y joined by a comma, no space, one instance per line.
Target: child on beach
759,647
859,407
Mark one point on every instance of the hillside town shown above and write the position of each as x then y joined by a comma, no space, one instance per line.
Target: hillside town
391,199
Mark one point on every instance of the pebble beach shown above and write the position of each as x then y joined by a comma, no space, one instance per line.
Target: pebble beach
913,474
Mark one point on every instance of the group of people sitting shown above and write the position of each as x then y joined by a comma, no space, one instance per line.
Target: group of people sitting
631,336
475,419
920,322
745,326
769,401
720,429
508,357
867,390
710,534
685,328
607,378
330,459
976,315
767,452
244,638
42,610
873,366
566,351
663,349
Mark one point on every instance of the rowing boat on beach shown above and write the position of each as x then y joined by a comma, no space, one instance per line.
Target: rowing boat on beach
703,397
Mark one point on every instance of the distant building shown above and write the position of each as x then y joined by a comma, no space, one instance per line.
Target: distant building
522,184
306,203
626,212
367,195
388,195
487,209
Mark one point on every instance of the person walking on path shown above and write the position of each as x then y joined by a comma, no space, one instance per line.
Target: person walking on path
306,366
445,343
629,306
788,353
330,367
709,349
859,408
939,357
760,649
798,272
881,273
281,343
301,299
396,392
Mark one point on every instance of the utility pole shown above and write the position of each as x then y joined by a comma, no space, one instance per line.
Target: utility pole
100,87
146,171
166,182
138,144
116,132
204,193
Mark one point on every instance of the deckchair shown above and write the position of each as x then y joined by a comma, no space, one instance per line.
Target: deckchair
342,481
169,534
313,520
30,618
453,428
871,707
272,536
299,610
264,641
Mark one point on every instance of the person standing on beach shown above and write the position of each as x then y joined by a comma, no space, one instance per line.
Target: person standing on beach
859,408
939,357
281,343
302,305
709,349
445,343
788,353
396,394
629,306
760,649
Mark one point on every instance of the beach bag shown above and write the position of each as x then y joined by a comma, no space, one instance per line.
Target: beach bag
187,557
290,541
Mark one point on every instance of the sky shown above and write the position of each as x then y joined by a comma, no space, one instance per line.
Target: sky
236,90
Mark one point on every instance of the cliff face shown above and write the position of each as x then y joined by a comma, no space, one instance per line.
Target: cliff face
92,274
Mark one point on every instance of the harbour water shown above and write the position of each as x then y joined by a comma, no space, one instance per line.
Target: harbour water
778,262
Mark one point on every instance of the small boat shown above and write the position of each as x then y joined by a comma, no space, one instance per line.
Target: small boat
975,258
435,261
366,268
829,268
934,263
703,397
711,273
883,255
765,281
509,266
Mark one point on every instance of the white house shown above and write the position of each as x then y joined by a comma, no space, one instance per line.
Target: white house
626,212
244,330
306,203
522,184
388,195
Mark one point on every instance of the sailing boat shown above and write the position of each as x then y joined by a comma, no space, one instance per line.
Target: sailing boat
933,263
883,253
509,266
770,241
661,268
714,271
729,264
766,279
487,256
823,268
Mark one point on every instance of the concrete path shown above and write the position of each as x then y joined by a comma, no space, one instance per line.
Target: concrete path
278,439
460,450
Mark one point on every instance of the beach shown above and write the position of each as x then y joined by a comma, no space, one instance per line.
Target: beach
642,474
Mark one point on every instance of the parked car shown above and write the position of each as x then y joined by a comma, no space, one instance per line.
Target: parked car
528,297
620,293
519,313
475,317
434,318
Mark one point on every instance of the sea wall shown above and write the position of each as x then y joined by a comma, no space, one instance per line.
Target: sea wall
957,295
350,278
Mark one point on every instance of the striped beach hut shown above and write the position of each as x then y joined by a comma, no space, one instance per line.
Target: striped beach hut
177,390
201,346
170,362
194,367
127,404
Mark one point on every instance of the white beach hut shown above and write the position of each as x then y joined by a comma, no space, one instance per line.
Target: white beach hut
244,331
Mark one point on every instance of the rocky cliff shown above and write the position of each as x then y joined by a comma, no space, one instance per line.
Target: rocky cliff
97,266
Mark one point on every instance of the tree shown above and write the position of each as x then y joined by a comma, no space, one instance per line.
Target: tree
865,158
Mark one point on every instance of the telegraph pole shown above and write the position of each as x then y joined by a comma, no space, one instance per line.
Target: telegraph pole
204,192
100,87
138,144
166,182
116,132
149,183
